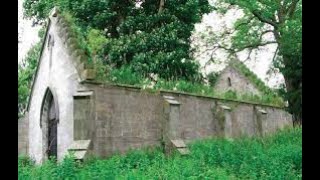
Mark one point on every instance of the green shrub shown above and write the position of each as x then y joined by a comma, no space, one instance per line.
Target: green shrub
95,40
230,95
212,78
26,70
124,75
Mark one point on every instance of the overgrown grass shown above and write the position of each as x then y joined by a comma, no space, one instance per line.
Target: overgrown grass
277,156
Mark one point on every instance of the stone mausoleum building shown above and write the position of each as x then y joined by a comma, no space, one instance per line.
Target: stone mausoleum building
69,111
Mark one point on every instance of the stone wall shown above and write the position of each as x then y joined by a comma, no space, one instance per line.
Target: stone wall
23,136
128,117
125,118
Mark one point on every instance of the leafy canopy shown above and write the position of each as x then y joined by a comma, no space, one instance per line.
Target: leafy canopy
151,36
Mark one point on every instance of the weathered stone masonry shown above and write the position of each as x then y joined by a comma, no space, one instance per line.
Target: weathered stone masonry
23,135
128,117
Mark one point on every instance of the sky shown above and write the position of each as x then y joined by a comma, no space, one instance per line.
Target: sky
259,63
27,35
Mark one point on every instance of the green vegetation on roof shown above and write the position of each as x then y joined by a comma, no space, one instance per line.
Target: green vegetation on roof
126,76
76,32
252,77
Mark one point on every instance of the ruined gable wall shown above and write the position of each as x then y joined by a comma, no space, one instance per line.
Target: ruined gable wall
239,82
56,70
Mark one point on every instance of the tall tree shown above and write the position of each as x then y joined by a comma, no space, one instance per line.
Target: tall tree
149,36
266,22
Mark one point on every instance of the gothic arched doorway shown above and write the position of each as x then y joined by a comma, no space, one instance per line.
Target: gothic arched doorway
49,125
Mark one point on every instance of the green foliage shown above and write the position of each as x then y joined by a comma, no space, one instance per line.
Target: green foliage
66,169
276,156
267,99
212,78
291,62
37,8
125,75
78,32
128,44
102,70
283,19
26,71
42,32
149,41
230,95
95,40
25,161
260,85
185,86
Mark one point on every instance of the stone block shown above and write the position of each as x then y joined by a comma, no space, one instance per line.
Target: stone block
183,151
79,155
83,94
225,107
178,143
80,145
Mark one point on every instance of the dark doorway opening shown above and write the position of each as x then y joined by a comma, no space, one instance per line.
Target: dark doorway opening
52,131
229,82
49,124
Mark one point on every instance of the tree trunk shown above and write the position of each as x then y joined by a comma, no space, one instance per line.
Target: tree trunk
161,6
293,87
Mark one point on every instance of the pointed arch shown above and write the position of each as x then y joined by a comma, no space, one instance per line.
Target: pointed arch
49,124
49,97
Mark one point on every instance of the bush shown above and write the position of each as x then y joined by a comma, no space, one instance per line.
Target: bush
124,75
212,78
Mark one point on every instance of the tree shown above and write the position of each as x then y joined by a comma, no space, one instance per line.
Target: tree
280,19
148,36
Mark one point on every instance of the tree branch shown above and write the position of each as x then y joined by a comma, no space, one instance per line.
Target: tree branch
244,23
219,46
276,35
161,5
292,8
255,45
265,32
275,54
262,19
249,54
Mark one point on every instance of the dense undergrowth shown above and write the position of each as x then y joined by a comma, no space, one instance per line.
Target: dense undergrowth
276,156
